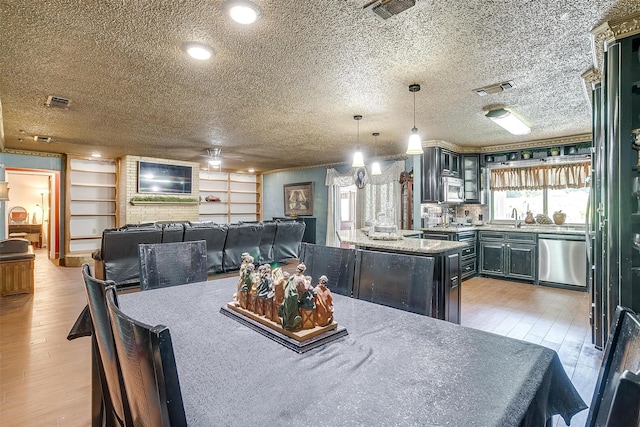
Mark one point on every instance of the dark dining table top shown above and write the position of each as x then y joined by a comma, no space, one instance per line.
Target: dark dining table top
393,368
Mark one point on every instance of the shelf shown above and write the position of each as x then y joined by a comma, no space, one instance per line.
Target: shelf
93,214
93,200
85,238
243,192
165,203
93,185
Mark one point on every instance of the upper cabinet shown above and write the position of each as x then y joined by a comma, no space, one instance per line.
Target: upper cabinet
449,163
472,178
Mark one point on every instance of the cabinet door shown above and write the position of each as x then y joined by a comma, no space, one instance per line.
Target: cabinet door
449,164
492,258
521,261
431,182
472,178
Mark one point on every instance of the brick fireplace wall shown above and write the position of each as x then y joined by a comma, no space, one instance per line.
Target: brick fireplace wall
135,214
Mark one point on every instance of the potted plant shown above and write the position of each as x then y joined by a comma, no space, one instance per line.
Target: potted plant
584,148
526,154
555,151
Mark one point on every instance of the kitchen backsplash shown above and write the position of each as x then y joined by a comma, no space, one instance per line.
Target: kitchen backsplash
435,213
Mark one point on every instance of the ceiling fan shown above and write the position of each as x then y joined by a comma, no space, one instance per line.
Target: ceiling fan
215,157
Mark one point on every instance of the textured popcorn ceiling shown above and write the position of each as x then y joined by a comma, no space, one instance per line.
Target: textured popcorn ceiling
282,92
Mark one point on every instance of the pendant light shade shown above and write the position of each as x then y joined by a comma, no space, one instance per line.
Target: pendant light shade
358,159
415,143
375,166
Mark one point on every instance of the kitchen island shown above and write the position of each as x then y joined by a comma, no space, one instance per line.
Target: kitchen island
446,272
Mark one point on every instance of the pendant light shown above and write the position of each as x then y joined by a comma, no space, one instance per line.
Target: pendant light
358,159
415,144
375,166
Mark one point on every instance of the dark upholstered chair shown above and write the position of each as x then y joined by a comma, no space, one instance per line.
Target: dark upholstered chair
173,232
625,406
215,235
149,369
286,244
622,353
266,242
338,264
170,264
113,394
397,280
241,237
120,251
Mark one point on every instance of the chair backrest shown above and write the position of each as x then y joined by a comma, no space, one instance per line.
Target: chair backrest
215,235
149,369
241,237
110,372
625,406
266,242
338,264
397,280
286,244
622,353
171,264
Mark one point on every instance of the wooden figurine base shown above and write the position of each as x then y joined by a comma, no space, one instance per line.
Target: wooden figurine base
299,341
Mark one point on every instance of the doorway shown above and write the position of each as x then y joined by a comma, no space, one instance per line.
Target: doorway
38,193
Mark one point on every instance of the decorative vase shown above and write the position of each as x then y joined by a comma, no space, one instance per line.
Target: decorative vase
529,219
526,155
559,217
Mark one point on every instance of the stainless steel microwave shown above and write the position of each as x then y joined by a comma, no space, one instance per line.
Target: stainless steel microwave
452,190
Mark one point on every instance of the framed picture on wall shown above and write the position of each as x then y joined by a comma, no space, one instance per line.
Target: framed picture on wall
298,199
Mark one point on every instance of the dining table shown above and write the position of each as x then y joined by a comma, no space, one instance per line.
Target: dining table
392,368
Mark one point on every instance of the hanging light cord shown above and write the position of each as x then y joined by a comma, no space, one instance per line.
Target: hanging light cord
414,110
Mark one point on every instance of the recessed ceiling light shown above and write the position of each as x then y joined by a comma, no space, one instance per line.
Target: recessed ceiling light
243,11
252,170
198,51
96,155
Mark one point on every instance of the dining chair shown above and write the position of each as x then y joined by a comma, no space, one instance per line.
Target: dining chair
338,264
149,369
170,264
622,353
116,408
625,405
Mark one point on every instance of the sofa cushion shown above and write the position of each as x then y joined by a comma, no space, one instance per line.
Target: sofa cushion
241,237
215,235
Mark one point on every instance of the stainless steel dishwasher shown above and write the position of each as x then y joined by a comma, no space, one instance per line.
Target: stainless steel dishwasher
562,259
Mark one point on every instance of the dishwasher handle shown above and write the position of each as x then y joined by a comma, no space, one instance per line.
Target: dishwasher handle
573,237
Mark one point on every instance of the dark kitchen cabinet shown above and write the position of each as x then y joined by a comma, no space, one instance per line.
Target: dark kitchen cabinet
437,163
449,163
509,255
472,178
468,259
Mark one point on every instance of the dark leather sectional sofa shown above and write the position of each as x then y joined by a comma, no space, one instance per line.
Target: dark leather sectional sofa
267,242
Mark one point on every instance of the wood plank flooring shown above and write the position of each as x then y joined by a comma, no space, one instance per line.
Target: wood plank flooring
555,318
45,379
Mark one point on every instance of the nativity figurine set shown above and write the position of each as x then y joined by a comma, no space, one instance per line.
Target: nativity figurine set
289,301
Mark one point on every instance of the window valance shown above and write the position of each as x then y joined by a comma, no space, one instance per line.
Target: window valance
389,174
541,177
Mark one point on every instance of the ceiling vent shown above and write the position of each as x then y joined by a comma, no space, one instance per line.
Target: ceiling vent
385,9
58,102
496,88
40,138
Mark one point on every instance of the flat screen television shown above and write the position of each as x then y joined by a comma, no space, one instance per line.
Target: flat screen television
160,178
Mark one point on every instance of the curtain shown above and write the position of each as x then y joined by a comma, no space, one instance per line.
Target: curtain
541,177
381,194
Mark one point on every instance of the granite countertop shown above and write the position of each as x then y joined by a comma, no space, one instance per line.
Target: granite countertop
424,246
524,228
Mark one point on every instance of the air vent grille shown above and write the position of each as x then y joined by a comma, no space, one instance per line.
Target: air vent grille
58,102
496,88
43,139
385,9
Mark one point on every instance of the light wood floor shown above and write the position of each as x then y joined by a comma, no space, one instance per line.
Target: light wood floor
45,379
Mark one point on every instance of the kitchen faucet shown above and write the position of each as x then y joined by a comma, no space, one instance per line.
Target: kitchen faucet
514,215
